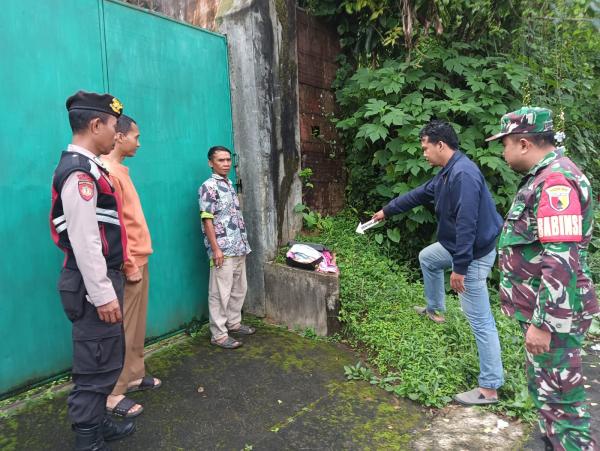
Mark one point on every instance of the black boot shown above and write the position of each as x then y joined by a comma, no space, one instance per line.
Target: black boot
89,438
115,430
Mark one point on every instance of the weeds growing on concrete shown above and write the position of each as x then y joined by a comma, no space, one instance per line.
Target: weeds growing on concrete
36,394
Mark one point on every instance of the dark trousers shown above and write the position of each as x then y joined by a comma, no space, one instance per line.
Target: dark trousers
98,348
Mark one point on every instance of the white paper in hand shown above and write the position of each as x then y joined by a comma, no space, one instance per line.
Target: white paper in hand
367,225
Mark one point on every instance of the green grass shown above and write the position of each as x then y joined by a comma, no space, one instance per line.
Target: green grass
414,357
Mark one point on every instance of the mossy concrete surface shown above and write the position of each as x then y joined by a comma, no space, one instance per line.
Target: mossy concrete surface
280,391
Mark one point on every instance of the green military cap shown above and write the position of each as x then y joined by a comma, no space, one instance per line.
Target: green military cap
105,103
525,120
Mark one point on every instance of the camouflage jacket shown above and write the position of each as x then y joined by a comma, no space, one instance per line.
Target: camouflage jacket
545,279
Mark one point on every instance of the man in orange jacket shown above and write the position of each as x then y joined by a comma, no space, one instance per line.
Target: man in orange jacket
139,247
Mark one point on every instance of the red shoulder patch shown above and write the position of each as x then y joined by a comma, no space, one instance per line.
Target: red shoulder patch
86,189
559,212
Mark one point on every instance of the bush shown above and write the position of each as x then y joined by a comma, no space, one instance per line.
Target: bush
416,359
594,249
389,105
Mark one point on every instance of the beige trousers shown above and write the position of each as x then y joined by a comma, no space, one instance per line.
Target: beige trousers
226,293
135,308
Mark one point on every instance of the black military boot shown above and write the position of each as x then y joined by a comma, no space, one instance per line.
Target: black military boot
115,430
547,444
89,438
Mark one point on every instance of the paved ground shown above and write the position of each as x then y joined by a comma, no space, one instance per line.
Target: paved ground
278,392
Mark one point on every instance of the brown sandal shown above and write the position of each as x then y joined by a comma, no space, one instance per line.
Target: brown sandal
243,330
228,343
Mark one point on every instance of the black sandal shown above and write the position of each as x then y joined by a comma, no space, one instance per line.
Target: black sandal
146,384
123,407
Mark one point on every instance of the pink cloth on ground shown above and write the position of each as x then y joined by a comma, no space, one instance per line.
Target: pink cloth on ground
328,263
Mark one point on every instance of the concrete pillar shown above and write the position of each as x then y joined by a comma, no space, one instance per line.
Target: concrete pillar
263,71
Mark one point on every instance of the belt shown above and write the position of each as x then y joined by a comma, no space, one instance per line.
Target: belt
71,263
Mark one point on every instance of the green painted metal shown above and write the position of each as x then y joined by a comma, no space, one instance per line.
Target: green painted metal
173,79
44,60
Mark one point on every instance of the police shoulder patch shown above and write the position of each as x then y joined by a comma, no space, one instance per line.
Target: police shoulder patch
85,185
559,211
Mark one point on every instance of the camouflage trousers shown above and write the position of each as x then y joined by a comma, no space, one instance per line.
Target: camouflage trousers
556,385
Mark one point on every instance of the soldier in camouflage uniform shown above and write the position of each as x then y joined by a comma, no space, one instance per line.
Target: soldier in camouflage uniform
545,282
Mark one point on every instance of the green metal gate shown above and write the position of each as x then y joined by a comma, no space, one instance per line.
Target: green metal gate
173,79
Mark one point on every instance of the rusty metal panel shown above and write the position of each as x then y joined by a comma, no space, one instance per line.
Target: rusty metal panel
201,13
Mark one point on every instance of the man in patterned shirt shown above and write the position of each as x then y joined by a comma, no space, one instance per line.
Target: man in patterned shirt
545,282
227,246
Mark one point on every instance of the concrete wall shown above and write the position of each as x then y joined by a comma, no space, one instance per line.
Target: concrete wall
301,299
261,36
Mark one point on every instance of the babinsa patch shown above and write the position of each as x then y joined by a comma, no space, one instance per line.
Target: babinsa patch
559,216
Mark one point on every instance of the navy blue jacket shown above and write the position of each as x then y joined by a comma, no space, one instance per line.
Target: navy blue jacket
468,223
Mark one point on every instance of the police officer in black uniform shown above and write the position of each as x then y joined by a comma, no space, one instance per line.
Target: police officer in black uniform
86,224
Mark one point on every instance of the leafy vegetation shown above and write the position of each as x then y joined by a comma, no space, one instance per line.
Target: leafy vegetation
390,104
414,357
594,258
468,62
305,175
313,220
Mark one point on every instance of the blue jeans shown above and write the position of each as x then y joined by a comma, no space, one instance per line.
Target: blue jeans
475,303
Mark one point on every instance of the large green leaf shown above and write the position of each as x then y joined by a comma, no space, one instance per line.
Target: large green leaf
395,117
375,107
394,234
374,132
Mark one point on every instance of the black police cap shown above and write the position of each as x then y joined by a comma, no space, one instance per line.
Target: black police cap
105,103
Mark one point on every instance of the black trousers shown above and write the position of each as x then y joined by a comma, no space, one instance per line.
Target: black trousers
98,348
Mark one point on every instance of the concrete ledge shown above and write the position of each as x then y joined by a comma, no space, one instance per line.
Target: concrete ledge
298,298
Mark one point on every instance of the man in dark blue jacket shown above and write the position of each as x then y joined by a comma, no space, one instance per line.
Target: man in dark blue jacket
468,225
